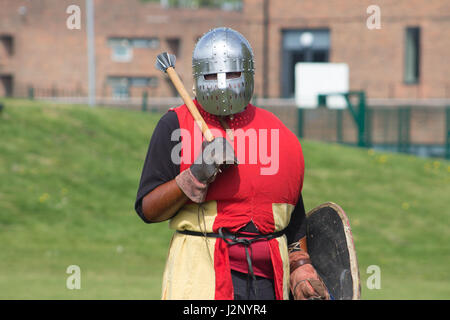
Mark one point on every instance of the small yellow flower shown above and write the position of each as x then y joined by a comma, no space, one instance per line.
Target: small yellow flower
436,164
405,205
44,197
64,191
382,159
448,169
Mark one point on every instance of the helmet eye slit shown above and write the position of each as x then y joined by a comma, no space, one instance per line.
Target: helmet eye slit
230,75
233,75
212,76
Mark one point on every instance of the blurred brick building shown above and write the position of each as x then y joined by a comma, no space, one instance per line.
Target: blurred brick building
406,58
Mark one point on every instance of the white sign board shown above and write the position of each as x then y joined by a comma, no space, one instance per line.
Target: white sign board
312,79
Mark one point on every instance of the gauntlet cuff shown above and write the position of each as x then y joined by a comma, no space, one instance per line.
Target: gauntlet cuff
192,188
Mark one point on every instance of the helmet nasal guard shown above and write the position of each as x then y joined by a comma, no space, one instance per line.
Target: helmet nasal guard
221,51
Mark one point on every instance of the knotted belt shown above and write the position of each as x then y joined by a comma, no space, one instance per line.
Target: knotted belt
238,238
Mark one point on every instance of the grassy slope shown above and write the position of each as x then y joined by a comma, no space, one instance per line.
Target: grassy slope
68,179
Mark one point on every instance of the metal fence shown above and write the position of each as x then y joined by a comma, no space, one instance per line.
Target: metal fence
419,130
422,130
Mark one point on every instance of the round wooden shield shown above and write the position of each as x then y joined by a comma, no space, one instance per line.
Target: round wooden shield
332,251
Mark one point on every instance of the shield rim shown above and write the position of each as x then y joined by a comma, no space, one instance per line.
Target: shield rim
354,269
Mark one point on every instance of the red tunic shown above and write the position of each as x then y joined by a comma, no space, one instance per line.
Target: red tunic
270,171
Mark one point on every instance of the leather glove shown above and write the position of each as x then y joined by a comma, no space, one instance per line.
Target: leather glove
305,283
214,158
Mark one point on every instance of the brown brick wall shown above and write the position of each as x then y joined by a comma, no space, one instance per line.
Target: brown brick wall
375,57
47,54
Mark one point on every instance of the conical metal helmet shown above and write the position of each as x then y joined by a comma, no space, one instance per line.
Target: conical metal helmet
221,51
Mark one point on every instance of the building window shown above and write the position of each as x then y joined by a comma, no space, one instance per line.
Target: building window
122,48
7,44
6,85
121,51
304,45
147,43
143,82
174,46
227,5
121,85
412,55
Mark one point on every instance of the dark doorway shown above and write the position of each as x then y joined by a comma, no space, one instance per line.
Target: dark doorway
296,49
174,46
6,85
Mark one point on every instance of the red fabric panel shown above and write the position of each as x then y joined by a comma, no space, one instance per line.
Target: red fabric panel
277,268
224,284
261,260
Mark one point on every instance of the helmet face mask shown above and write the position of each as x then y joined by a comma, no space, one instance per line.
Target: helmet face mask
223,72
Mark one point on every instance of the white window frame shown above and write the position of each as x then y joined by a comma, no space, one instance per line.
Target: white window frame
127,56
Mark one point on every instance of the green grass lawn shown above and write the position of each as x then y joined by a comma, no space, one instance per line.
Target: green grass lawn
69,176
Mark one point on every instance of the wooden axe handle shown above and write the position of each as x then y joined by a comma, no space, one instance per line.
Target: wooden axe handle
190,104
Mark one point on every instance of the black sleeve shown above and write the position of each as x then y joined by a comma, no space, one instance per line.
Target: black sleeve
297,226
158,166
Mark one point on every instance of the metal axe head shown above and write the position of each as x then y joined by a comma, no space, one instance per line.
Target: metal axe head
165,60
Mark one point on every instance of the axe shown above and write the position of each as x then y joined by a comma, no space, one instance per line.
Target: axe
166,62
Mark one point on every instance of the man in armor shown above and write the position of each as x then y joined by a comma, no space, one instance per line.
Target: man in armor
239,225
